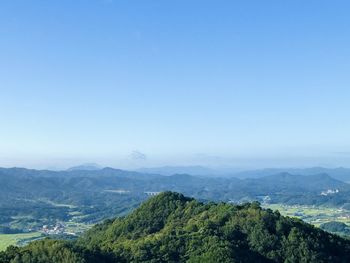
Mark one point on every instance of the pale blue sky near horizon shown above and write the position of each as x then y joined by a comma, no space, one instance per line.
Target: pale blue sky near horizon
142,83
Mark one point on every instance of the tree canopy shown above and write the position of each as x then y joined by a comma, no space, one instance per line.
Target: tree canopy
173,228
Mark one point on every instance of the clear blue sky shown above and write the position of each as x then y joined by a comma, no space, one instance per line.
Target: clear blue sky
182,82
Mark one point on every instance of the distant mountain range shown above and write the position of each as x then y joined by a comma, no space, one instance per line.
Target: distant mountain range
192,170
86,167
62,184
339,173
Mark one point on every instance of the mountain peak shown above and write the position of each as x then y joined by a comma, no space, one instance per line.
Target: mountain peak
85,167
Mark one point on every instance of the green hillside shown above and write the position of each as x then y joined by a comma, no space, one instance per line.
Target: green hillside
173,228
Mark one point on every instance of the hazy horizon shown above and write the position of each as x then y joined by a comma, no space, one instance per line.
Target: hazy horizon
246,85
223,166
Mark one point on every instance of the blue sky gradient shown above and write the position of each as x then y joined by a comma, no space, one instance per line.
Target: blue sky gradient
240,83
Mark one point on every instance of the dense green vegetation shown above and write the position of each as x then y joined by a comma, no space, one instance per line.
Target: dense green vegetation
173,228
336,227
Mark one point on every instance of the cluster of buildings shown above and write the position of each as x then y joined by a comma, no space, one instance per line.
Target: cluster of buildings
53,230
152,193
329,192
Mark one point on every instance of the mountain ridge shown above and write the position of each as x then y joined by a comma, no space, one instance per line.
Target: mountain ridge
171,227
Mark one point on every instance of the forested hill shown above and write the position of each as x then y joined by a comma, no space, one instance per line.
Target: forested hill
173,228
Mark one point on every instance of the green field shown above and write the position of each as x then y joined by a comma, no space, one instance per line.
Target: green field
14,239
312,214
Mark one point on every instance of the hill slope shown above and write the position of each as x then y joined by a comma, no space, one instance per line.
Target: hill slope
173,228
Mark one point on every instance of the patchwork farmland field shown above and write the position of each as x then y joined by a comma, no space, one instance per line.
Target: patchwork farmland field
312,214
17,239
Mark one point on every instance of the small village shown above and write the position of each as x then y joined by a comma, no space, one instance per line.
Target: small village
57,229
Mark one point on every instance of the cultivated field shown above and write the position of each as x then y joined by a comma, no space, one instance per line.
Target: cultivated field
312,214
17,239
